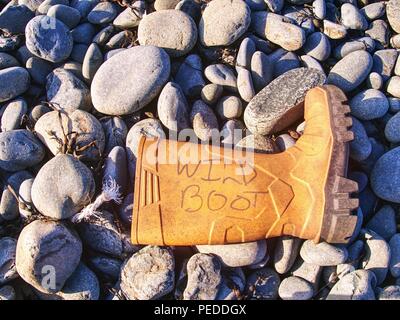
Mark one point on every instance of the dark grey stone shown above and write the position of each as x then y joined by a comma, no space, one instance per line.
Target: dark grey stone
8,270
38,111
384,181
310,62
344,48
101,234
245,53
190,76
295,288
102,13
275,5
112,96
261,70
81,285
23,54
115,131
318,46
268,111
378,149
204,121
14,18
7,61
48,38
190,7
172,108
284,141
19,149
369,104
301,16
233,284
68,15
47,4
352,18
8,205
368,202
379,31
357,228
357,285
116,41
107,267
63,186
323,253
221,74
13,82
92,62
286,251
355,250
383,222
384,62
392,129
393,14
377,255
39,69
84,6
256,5
66,91
233,18
104,35
394,244
126,209
351,71
394,104
46,246
237,255
83,33
31,4
13,114
148,274
261,44
78,52
360,147
361,178
172,30
151,128
374,11
204,277
285,63
131,17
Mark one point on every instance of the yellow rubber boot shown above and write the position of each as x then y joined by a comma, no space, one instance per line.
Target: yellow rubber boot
192,194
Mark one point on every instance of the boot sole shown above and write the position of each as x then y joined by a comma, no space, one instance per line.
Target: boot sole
338,221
